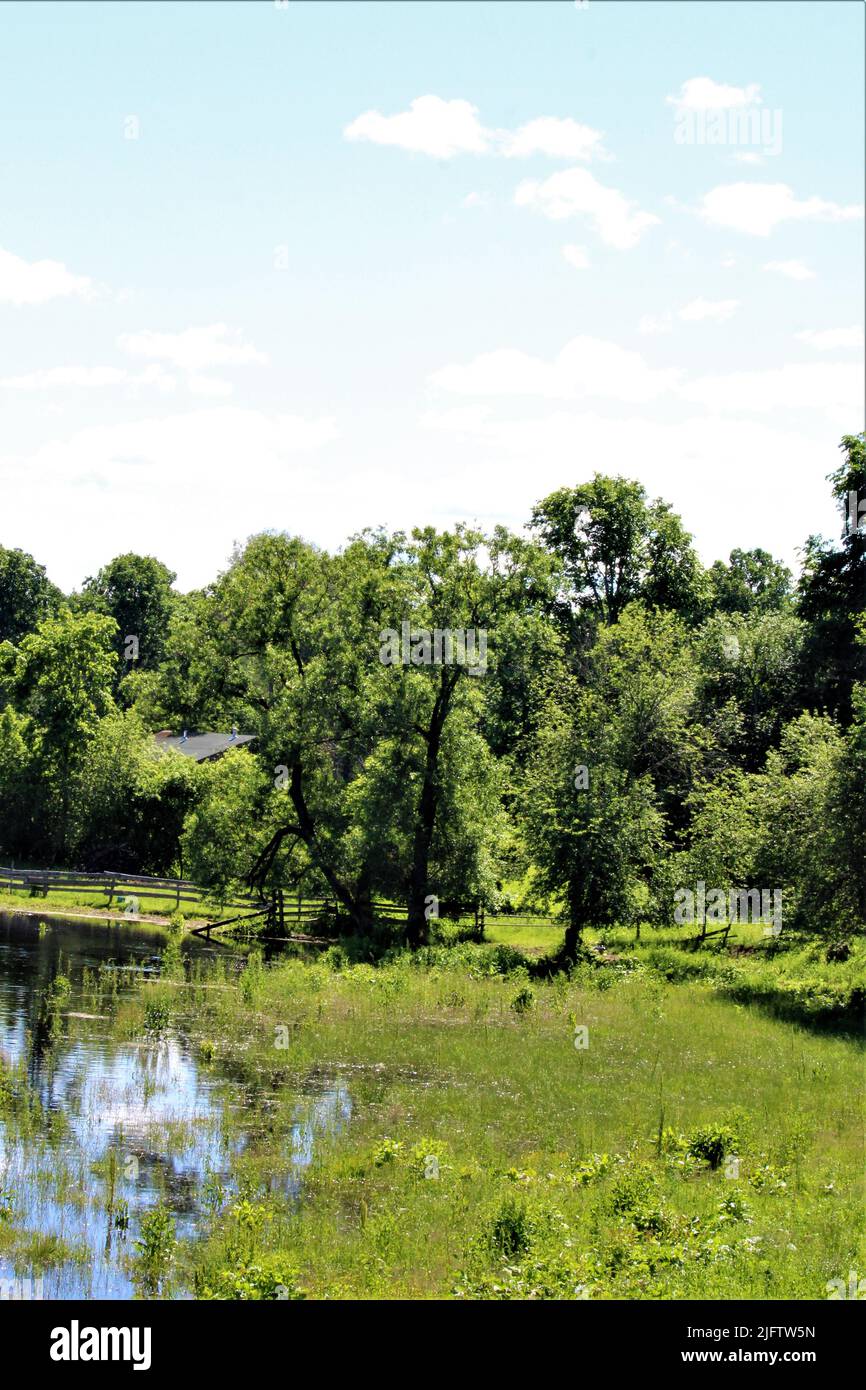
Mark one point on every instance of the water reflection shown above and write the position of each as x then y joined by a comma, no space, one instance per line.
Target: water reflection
108,1128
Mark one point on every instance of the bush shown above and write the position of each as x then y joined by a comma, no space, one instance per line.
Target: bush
523,1001
713,1142
251,1282
510,1231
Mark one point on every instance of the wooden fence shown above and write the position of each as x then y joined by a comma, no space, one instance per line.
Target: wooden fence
287,912
109,884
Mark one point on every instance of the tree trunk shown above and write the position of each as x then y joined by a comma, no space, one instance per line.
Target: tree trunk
574,930
305,830
362,913
417,924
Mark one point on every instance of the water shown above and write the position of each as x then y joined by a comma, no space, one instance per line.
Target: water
135,1122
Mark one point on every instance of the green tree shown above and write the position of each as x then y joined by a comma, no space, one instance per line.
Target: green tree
813,821
595,837
615,548
750,669
222,833
61,676
832,592
611,766
26,595
130,799
300,643
136,591
722,839
19,789
751,582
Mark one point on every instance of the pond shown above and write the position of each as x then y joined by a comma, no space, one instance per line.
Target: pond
96,1129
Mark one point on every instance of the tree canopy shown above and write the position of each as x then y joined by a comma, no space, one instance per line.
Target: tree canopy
580,716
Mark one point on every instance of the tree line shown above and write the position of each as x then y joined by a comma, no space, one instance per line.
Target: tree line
641,721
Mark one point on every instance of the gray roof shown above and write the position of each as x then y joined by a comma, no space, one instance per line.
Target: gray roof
204,746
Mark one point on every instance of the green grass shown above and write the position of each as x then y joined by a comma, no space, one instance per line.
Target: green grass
535,937
98,903
488,1157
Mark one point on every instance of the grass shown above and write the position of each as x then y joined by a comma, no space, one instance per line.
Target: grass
696,1148
534,937
98,904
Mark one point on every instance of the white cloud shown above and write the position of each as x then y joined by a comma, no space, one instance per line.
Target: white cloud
656,323
559,139
458,419
431,126
476,200
747,157
234,470
794,270
577,193
731,483
697,311
718,310
703,94
834,388
576,256
193,349
758,208
443,129
585,368
200,385
87,378
35,282
829,339
595,369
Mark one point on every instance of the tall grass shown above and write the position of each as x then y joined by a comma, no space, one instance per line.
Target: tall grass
696,1147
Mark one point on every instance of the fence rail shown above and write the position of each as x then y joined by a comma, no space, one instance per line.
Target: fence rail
110,884
290,910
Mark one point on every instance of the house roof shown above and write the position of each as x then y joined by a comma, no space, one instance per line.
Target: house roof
203,746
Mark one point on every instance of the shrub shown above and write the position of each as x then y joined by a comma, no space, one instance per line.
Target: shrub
510,1231
156,1246
523,1001
713,1142
157,1016
251,1282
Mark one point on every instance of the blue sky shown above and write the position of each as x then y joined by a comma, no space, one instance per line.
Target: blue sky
323,266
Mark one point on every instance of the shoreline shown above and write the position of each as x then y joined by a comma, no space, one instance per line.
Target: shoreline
96,915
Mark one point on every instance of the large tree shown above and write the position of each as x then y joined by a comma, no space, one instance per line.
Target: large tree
130,799
26,595
136,591
61,676
750,679
367,787
752,581
832,591
616,547
611,765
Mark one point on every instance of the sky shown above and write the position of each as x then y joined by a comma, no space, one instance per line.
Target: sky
320,266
